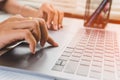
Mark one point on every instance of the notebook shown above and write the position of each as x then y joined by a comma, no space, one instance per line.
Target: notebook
11,74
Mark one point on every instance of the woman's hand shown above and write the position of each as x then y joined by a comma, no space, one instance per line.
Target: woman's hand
52,16
18,28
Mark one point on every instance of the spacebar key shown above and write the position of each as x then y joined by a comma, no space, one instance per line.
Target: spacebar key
71,67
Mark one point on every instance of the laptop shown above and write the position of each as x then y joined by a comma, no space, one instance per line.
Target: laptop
83,54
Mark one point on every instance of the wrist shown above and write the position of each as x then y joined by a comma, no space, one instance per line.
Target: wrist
28,11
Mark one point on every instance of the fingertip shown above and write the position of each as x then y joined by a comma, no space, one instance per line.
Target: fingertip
48,26
60,26
55,28
32,49
52,42
42,43
55,44
33,52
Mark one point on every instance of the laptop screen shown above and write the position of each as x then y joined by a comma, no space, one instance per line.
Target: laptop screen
97,13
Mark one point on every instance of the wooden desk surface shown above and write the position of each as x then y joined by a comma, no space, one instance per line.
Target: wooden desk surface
76,8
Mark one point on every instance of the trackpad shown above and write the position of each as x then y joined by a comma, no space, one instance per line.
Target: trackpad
21,56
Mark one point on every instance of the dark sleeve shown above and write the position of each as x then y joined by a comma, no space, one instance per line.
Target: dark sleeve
2,3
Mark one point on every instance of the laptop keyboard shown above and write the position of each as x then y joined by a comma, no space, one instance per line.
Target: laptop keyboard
91,53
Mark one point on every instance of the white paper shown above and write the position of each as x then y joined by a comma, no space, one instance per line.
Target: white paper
10,75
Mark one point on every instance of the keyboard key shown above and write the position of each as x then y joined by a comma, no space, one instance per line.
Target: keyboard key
71,67
109,51
78,51
57,67
106,58
97,59
116,50
117,63
109,55
67,54
108,75
88,54
86,58
76,54
75,58
88,51
89,48
68,49
58,62
85,62
98,55
64,58
63,63
96,63
99,45
109,48
99,51
109,69
80,47
109,63
83,70
91,45
95,75
118,73
83,42
99,48
96,69
80,44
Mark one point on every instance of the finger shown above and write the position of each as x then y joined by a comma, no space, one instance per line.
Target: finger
50,15
32,25
36,31
52,42
61,15
14,18
44,32
30,39
55,21
23,35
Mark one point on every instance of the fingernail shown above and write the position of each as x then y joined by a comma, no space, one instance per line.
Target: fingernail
55,44
42,43
56,28
48,26
41,46
33,52
60,26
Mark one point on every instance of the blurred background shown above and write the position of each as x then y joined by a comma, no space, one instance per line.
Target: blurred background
75,8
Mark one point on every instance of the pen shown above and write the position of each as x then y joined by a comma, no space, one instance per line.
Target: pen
96,13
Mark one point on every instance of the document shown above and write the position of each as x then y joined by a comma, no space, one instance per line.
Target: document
6,74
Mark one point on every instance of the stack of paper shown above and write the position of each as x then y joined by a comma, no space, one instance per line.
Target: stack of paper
6,74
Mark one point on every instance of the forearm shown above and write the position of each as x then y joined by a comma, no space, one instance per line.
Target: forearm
13,7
